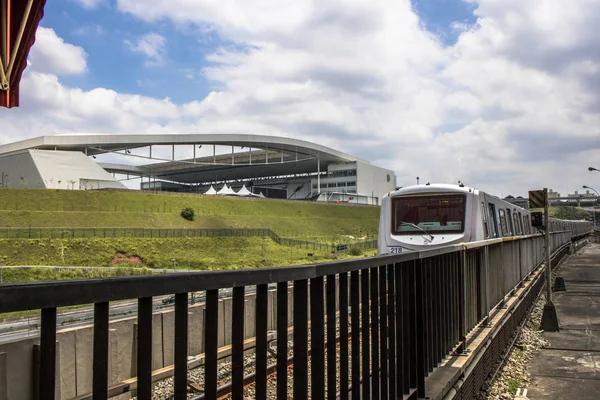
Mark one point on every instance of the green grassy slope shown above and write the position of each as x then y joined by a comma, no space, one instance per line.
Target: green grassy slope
202,253
70,208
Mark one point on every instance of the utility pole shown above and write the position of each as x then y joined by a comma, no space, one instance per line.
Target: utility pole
549,317
548,251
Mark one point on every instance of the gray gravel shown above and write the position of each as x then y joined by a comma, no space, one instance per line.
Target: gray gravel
513,374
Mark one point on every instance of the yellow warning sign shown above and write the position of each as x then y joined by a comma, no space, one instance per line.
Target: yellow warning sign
537,199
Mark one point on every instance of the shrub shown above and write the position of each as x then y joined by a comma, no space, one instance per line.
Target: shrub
355,251
188,213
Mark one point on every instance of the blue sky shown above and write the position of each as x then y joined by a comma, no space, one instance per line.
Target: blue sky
103,30
442,89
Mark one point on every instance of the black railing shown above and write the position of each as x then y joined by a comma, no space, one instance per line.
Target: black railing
397,317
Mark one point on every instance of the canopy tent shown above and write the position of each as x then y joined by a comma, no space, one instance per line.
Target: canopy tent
211,191
226,191
19,20
243,191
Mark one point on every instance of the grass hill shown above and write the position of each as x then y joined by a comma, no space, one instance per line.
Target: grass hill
72,208
97,209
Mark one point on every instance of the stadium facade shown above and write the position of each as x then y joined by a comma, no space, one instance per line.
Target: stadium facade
261,165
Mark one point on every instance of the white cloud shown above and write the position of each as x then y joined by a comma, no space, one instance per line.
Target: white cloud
50,54
152,45
91,4
514,105
89,30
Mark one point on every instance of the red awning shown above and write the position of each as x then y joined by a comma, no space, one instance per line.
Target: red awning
19,20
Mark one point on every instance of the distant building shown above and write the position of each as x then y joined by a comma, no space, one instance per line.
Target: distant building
269,166
552,194
518,201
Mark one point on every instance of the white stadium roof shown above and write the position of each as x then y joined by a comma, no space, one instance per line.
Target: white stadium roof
266,155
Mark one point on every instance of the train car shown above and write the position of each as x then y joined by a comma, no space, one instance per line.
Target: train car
434,215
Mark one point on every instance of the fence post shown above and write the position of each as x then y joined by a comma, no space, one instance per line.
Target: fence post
420,328
486,285
462,315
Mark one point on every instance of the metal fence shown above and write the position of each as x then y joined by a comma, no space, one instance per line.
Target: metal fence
394,318
78,233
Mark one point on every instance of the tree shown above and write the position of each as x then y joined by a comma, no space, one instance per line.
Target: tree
570,213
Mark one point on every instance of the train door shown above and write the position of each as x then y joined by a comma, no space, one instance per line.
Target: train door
526,225
517,220
494,220
486,228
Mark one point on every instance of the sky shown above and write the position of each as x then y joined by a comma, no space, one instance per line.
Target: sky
503,95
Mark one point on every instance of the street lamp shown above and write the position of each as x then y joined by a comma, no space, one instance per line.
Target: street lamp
591,188
593,169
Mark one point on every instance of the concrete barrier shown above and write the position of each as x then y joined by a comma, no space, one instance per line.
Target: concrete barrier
75,348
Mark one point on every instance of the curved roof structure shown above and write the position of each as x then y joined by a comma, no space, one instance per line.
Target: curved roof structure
263,155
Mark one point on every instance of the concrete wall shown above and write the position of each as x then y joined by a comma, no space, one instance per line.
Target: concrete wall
373,181
75,349
54,170
19,170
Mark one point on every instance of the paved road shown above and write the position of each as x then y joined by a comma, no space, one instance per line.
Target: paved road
25,327
570,367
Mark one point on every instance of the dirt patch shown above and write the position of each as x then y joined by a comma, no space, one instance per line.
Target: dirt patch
124,258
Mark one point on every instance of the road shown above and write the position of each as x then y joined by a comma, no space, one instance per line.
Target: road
26,327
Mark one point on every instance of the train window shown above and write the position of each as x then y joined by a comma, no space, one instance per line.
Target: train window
494,220
509,222
486,232
516,224
503,223
525,224
435,214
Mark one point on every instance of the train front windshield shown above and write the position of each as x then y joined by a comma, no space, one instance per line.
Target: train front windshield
431,213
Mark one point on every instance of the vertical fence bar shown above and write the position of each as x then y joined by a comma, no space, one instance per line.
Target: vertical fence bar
462,315
181,345
412,337
391,316
282,339
144,349
374,334
262,299
427,315
317,333
237,343
300,339
355,309
366,365
48,354
420,334
100,357
211,323
344,335
435,298
383,331
331,334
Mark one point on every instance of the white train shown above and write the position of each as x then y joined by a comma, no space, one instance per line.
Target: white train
426,216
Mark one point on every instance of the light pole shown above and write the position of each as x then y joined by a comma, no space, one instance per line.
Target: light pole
591,188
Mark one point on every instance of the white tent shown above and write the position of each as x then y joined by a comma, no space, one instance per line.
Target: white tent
211,191
226,191
243,191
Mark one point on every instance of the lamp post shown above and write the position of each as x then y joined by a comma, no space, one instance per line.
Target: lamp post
591,188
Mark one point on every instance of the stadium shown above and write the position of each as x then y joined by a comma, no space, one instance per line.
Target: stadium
210,164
